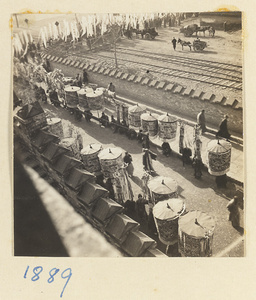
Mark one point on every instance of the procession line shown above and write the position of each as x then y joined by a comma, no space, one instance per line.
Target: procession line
230,247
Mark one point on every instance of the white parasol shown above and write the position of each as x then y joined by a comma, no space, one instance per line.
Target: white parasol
110,153
197,224
169,209
91,149
162,185
137,108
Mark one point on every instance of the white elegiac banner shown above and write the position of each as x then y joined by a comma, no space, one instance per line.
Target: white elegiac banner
50,30
84,25
46,33
55,31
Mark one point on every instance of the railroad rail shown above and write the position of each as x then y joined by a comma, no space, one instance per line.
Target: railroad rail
209,72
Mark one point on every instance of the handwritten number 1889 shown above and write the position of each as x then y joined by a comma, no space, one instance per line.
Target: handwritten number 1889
66,274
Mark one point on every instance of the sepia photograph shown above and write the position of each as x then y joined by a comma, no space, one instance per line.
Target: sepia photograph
128,134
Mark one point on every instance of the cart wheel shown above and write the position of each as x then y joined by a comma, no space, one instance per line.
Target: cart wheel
147,36
197,48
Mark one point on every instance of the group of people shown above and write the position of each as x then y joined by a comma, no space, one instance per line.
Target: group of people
137,211
223,126
81,79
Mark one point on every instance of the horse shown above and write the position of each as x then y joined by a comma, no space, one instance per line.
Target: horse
202,29
184,43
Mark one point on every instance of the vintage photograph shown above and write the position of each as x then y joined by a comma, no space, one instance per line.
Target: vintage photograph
128,134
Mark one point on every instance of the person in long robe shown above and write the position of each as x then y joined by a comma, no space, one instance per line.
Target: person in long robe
130,209
145,141
140,208
113,125
78,80
234,215
223,128
104,121
128,161
151,224
88,116
140,136
85,77
174,42
197,164
166,149
201,120
54,98
79,141
147,160
111,90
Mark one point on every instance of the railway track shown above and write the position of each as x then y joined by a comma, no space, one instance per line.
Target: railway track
208,72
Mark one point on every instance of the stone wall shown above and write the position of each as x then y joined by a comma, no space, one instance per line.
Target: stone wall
97,208
166,96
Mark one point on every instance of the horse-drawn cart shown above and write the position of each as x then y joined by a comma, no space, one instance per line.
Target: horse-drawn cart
150,33
199,45
189,29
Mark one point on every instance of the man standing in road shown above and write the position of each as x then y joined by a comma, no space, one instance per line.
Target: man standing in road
201,121
223,128
174,42
234,215
111,90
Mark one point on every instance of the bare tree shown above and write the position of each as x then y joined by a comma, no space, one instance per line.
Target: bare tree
115,34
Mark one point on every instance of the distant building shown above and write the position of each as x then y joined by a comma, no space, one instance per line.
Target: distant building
232,19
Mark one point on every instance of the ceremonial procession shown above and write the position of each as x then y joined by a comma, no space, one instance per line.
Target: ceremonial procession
128,134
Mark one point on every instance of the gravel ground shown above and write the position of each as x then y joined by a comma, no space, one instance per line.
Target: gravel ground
197,194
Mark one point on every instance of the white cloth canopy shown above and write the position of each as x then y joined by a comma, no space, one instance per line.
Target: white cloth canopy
92,148
110,153
148,117
162,185
137,108
219,146
197,224
169,209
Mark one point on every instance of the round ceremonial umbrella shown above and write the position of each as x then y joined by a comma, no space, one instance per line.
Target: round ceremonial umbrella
134,113
197,224
149,123
166,214
219,146
148,117
162,185
95,100
72,96
91,149
169,209
196,234
218,157
137,108
167,127
72,88
90,157
110,153
83,103
110,160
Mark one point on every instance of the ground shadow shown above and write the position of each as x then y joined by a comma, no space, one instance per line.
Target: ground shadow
229,192
186,171
136,180
240,230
